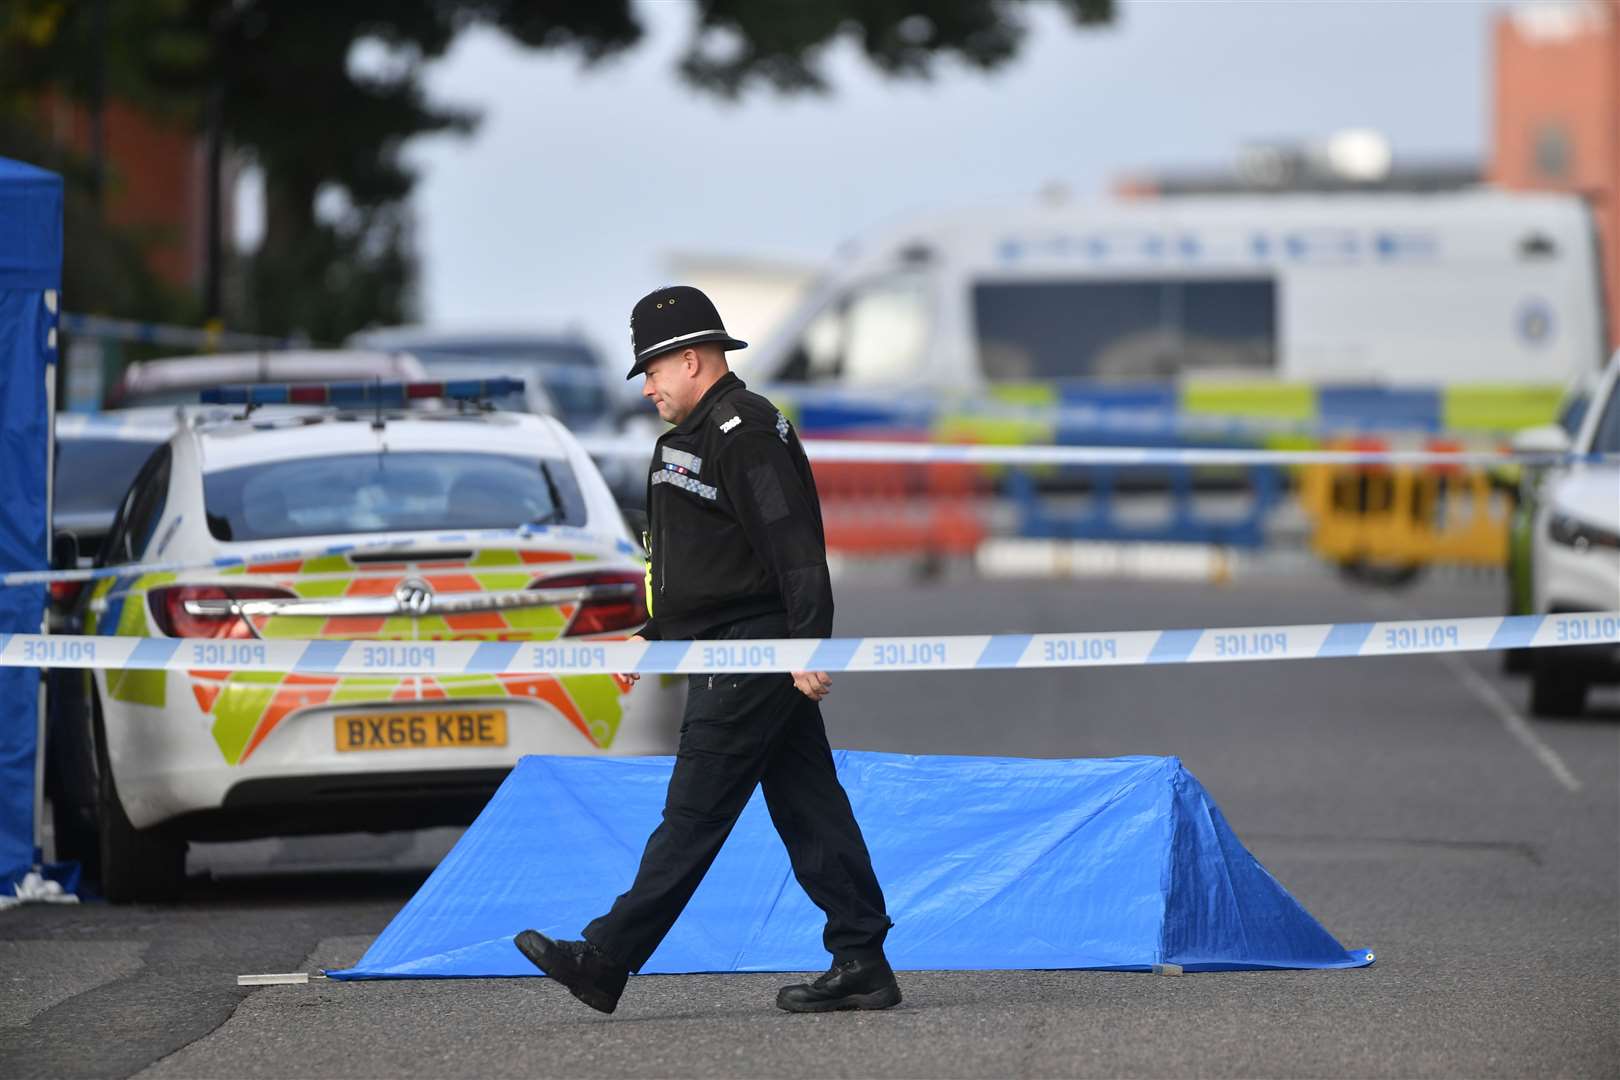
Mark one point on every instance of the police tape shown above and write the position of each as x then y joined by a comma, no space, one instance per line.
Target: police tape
854,451
930,653
840,451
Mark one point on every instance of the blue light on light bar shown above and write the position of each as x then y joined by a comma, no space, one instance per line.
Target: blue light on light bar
371,392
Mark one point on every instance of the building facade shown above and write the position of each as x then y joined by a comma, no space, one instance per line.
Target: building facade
1556,115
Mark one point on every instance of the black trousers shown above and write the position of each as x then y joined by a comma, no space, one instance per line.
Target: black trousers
739,731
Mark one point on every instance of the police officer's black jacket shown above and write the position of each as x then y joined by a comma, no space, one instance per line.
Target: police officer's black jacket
735,527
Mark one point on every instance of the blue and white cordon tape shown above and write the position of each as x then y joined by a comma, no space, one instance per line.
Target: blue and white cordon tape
943,653
834,450
852,451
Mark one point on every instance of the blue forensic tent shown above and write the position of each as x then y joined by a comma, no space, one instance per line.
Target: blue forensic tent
30,275
986,863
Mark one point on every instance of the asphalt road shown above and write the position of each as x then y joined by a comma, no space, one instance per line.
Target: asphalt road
1406,802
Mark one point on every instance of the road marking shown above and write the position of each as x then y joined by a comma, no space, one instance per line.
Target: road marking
1516,725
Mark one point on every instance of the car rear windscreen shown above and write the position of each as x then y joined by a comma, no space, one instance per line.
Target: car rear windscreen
394,491
1125,329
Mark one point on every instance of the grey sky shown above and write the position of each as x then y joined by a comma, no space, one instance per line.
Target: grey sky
563,206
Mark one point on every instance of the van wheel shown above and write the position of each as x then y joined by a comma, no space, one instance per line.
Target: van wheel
1554,691
136,864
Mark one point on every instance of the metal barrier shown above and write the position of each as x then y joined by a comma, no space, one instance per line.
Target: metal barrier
1405,517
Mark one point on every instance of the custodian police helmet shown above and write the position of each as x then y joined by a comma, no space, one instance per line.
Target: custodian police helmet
672,318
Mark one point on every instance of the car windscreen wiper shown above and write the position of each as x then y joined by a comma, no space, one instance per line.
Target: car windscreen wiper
553,516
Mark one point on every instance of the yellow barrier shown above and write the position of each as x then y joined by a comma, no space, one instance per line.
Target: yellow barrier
1405,517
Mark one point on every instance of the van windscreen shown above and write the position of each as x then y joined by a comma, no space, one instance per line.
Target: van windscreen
1125,329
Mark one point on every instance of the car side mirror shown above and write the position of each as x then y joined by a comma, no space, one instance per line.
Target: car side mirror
64,551
640,409
1542,439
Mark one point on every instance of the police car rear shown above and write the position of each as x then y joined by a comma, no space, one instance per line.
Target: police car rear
404,529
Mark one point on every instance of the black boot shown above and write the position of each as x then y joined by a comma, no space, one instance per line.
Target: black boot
582,967
851,984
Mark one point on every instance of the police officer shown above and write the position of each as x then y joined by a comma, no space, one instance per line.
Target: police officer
737,553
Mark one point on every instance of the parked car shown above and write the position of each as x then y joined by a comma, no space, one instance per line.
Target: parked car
165,758
564,368
1575,551
1525,485
96,457
175,381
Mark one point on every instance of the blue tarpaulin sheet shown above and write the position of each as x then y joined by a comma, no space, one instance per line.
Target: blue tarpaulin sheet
986,863
30,266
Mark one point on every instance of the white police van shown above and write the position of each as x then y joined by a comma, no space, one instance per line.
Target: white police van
1475,287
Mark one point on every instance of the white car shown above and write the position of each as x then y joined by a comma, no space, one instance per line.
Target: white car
1575,551
190,755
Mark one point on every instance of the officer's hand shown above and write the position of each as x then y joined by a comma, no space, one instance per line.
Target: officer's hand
631,675
814,685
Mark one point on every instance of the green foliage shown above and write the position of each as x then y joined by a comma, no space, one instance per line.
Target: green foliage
277,77
781,43
344,275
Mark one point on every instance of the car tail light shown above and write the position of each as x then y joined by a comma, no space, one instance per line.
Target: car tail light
64,593
622,607
169,608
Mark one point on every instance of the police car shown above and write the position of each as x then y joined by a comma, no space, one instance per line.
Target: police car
395,526
1575,551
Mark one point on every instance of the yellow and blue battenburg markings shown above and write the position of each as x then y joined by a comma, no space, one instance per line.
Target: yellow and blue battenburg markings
1453,519
1263,412
896,654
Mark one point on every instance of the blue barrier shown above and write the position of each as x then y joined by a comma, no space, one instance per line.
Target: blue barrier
1039,518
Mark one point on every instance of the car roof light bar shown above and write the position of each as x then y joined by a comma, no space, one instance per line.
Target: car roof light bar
369,392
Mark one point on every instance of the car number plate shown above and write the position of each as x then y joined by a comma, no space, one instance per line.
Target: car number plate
420,731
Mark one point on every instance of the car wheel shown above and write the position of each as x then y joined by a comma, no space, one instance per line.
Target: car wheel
1516,661
1554,690
70,772
76,838
1381,575
136,864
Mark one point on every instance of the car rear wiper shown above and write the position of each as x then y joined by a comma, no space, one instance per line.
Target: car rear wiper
552,516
